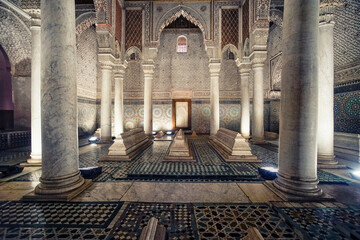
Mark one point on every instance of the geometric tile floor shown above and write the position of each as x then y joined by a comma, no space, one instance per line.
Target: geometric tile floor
22,220
178,220
233,221
209,166
115,220
47,214
324,223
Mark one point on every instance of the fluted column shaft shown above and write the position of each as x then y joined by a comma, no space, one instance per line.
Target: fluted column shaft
105,125
118,103
35,156
245,105
60,155
299,91
258,103
214,97
148,69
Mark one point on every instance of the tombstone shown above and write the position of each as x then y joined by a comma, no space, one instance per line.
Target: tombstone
232,146
153,231
179,149
128,145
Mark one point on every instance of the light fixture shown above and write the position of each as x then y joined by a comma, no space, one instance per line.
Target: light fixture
169,132
268,173
93,139
154,133
355,174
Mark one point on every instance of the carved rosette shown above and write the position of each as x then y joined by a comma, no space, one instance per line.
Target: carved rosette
327,11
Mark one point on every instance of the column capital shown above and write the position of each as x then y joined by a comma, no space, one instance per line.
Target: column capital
119,70
214,66
244,65
148,67
327,11
35,20
257,65
105,66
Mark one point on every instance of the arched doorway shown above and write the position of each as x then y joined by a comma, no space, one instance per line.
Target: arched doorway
6,99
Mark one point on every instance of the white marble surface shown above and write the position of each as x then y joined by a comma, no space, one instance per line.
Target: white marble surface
60,157
258,102
245,105
214,97
185,192
325,131
118,104
35,95
299,91
148,78
107,191
106,103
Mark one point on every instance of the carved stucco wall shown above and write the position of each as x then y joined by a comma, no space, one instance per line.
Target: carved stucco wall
347,34
273,65
86,71
15,38
229,75
181,71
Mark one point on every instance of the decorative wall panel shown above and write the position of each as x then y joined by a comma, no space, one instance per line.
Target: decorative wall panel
86,70
118,22
245,21
347,112
133,29
229,27
346,34
87,118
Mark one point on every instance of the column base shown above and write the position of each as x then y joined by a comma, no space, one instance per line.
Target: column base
328,161
285,196
303,188
32,162
257,141
66,196
106,140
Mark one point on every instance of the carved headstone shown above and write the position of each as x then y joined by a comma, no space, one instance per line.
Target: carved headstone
153,231
179,149
253,234
232,146
128,145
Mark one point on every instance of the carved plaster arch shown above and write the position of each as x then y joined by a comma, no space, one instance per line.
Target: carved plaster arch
132,50
276,16
84,21
15,38
187,13
246,48
232,49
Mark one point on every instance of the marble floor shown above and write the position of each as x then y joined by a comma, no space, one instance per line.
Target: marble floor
209,199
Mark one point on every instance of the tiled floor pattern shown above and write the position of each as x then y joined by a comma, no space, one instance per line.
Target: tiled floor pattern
209,166
331,223
176,218
233,221
113,220
21,220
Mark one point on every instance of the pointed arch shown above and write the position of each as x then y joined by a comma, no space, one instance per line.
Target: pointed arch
190,14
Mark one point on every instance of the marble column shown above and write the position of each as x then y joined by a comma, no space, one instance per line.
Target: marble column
297,174
148,68
60,153
245,104
214,67
106,72
118,102
325,133
35,156
258,104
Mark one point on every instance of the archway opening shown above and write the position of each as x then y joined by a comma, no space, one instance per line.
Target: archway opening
6,96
